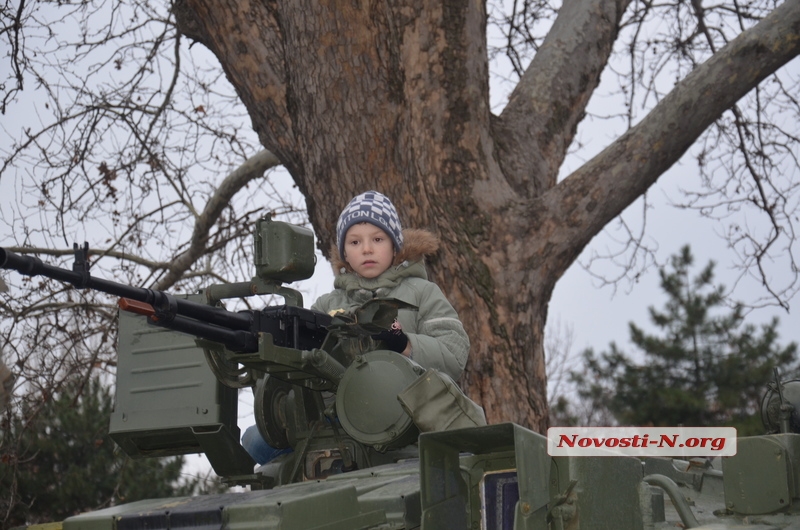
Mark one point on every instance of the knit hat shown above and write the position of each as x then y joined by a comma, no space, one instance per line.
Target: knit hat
374,208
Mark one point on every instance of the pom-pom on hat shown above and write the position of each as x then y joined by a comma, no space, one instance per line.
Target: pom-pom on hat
374,208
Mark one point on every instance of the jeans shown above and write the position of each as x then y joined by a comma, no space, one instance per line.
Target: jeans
258,448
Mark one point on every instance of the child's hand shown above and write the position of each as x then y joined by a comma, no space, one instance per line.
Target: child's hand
393,339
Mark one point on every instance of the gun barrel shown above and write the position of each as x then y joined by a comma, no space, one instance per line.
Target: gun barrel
166,305
236,340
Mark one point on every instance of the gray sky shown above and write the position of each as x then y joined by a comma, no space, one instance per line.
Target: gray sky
600,314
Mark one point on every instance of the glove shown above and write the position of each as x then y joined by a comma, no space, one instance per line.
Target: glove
393,339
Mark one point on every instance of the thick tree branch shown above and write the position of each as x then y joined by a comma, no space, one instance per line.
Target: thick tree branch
253,168
539,122
600,190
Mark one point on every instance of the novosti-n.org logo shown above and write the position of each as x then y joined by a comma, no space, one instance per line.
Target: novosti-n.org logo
641,441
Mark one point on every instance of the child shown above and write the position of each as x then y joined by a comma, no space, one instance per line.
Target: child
375,258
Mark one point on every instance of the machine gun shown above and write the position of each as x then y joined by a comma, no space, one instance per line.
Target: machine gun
238,332
169,402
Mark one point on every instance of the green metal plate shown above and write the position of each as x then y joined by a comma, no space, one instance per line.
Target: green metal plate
757,479
366,401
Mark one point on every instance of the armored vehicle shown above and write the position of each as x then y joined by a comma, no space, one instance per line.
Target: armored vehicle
359,460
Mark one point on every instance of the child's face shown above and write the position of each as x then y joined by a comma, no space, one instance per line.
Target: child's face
368,249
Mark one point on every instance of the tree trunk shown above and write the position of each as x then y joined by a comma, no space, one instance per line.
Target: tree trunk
393,96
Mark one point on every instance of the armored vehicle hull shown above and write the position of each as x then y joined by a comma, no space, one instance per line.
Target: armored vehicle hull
500,477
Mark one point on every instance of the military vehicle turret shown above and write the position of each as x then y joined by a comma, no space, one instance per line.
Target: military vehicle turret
359,460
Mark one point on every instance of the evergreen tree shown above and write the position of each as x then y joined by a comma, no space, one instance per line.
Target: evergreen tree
63,462
705,367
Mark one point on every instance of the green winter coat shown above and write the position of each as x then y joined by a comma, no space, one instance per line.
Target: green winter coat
436,335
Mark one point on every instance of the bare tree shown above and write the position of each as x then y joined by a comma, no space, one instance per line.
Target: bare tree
396,96
115,131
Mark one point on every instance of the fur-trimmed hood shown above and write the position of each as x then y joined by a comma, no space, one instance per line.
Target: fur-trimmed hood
417,243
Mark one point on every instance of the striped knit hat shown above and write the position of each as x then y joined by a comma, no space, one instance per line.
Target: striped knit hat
374,208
